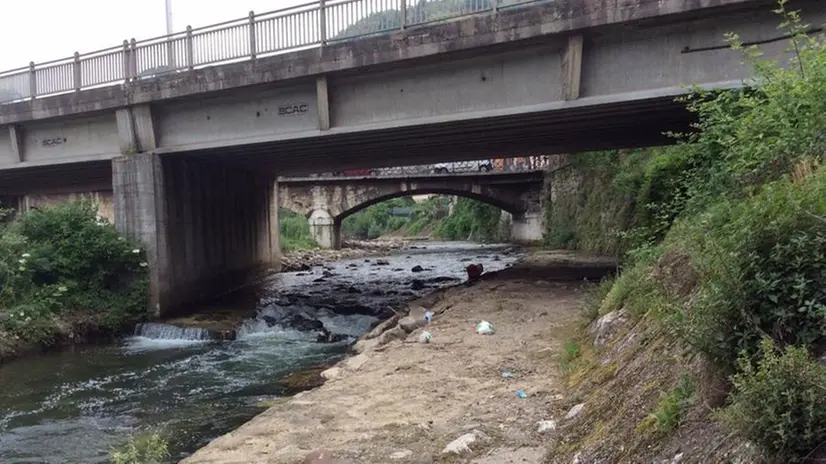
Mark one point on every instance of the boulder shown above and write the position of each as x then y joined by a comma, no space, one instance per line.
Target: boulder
349,309
411,323
441,279
363,346
417,269
462,444
396,333
331,373
542,427
381,328
299,322
607,327
574,411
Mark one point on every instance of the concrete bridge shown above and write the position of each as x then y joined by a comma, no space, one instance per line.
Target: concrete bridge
192,155
327,201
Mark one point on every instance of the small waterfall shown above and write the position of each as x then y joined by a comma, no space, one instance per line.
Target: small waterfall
159,331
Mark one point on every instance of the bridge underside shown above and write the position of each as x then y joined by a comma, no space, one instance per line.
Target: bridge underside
584,128
203,182
231,191
587,128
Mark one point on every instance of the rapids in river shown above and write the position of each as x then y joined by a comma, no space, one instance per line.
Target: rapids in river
76,405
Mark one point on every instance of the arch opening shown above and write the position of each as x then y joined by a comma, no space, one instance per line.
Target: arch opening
486,199
448,215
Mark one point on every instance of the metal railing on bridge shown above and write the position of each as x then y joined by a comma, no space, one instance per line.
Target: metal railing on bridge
491,166
304,26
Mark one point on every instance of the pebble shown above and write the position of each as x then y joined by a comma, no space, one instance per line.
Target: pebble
460,445
574,411
546,426
403,454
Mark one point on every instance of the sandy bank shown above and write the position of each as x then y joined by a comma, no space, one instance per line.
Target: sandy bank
405,401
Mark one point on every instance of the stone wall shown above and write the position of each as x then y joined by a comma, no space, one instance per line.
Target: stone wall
581,209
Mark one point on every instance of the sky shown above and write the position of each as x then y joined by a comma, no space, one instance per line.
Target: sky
45,30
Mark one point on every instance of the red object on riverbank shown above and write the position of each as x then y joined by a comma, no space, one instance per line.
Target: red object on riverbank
474,271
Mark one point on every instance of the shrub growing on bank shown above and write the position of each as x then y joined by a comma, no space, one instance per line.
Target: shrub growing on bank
763,267
471,220
778,402
376,220
61,264
148,448
295,231
744,200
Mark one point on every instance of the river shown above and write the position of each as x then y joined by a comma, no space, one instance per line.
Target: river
74,406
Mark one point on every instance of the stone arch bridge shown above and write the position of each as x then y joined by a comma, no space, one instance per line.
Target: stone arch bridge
327,201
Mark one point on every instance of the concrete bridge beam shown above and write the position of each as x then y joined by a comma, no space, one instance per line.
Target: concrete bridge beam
325,229
206,228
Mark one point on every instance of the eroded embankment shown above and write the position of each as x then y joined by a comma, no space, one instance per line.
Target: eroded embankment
403,401
645,399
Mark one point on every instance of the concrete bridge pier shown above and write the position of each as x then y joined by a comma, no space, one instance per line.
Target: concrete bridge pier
207,228
325,229
527,228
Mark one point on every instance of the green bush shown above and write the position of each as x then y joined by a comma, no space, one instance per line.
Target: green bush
63,259
295,231
743,199
572,352
561,233
149,448
763,264
670,408
471,220
376,220
428,213
778,402
596,201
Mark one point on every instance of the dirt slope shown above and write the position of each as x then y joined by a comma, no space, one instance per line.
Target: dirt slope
405,401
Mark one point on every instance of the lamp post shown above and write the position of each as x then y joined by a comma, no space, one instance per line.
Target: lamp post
168,17
170,47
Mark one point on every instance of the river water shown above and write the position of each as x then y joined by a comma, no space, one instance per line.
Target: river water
76,405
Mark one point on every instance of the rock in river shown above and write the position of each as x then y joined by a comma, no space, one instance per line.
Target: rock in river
411,323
